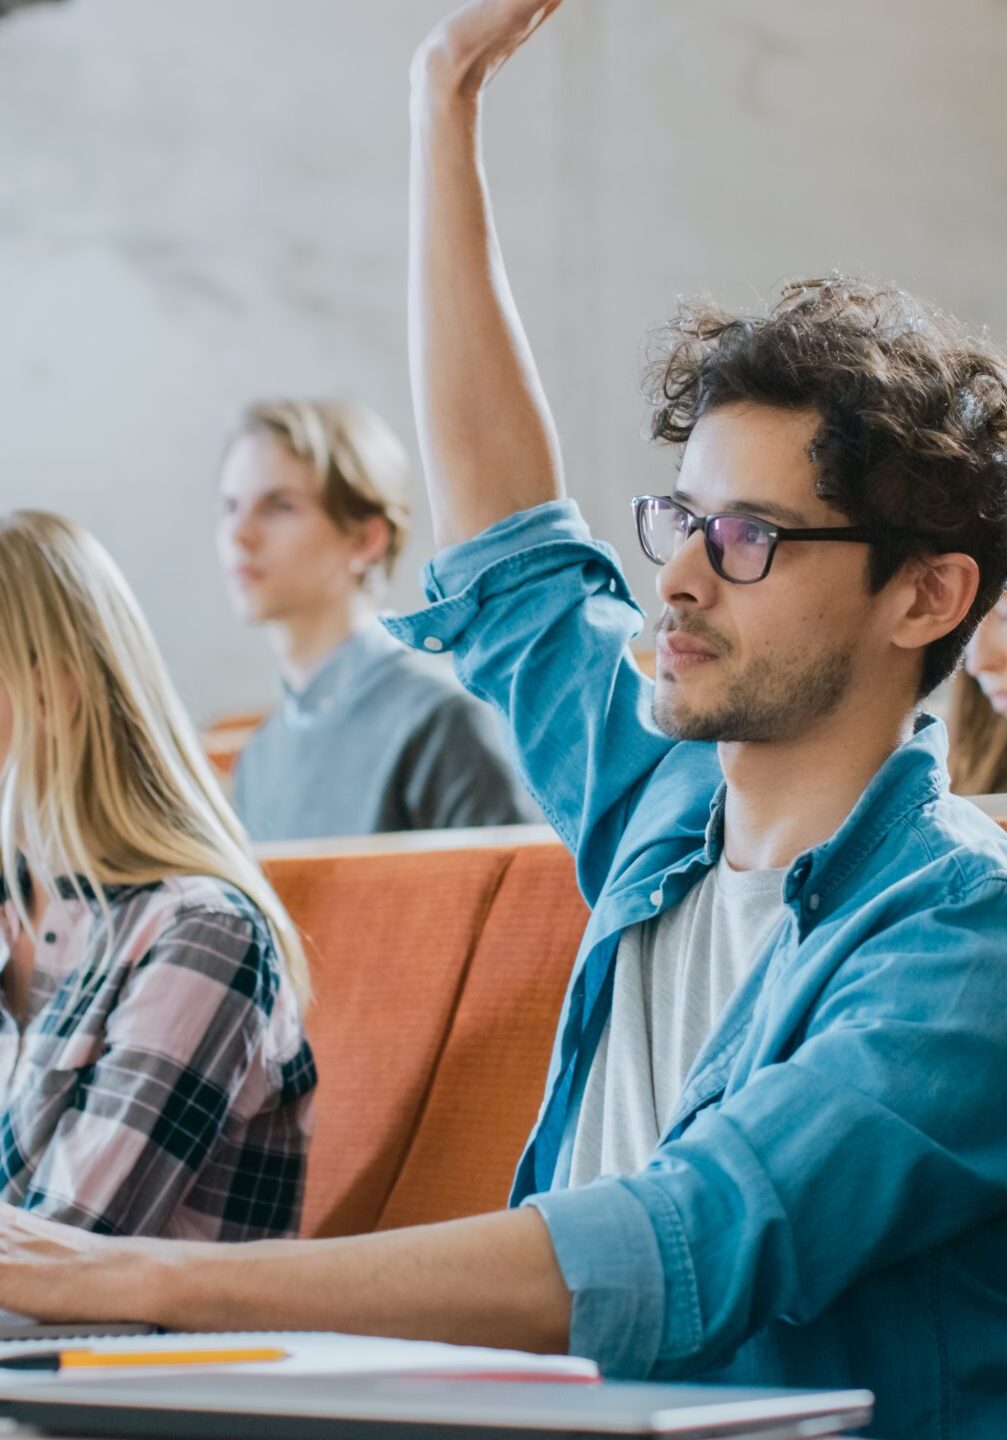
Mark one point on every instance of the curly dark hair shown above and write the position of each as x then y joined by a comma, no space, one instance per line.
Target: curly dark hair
914,419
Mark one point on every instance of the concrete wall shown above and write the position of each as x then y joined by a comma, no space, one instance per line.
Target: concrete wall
205,200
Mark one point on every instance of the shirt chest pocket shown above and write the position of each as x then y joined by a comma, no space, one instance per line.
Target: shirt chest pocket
51,1065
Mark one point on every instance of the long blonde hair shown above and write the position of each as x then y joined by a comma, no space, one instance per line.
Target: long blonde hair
977,737
105,778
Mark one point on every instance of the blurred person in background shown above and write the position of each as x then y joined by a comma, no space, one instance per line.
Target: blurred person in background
154,1075
314,513
978,717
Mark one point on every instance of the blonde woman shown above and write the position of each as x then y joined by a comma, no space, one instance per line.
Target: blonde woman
368,736
154,1075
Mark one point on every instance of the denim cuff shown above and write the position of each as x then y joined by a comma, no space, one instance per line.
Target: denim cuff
614,1269
526,545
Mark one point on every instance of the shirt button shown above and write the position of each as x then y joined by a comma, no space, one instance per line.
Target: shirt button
814,901
50,937
656,898
432,643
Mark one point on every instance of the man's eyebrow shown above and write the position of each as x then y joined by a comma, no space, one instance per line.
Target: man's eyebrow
275,492
280,492
764,509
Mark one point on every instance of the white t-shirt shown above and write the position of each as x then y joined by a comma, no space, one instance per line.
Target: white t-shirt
674,976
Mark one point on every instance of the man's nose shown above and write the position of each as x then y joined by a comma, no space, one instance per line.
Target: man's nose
688,577
244,531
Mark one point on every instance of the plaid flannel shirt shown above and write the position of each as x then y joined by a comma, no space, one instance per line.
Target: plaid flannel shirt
159,1084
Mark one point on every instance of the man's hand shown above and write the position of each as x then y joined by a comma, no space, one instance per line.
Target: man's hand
471,45
486,434
58,1272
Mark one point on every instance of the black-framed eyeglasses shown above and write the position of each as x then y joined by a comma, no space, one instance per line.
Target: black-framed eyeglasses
739,547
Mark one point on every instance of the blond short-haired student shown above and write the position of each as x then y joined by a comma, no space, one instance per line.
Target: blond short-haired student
367,736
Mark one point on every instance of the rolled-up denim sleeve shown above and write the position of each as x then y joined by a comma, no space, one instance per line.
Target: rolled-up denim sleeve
539,618
619,1275
848,1157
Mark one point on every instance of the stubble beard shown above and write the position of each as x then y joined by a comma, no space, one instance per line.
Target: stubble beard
763,702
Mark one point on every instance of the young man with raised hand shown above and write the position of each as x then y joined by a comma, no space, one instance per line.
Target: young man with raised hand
773,1146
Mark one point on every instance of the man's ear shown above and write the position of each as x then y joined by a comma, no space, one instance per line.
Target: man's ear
371,539
941,591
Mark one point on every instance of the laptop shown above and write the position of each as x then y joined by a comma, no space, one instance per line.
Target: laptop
22,1327
259,1407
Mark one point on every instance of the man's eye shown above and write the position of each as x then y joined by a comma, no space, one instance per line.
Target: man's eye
752,534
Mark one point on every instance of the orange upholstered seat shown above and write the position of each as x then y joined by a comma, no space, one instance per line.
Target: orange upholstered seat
438,979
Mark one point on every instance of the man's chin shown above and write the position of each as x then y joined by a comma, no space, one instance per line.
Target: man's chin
253,618
755,707
680,724
251,612
676,718
681,721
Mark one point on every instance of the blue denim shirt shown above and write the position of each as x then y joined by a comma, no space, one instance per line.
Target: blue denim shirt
829,1207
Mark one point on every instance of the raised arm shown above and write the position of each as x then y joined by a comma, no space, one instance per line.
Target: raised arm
537,613
487,438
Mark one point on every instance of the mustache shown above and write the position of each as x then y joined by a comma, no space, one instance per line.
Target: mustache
694,625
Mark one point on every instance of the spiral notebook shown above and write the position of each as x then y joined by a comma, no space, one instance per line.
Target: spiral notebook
325,1353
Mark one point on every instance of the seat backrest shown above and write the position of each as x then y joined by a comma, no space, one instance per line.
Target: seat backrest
486,1092
236,720
438,978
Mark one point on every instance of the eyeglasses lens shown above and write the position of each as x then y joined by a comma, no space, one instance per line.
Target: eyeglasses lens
664,529
740,546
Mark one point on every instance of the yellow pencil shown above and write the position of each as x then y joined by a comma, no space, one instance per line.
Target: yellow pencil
93,1359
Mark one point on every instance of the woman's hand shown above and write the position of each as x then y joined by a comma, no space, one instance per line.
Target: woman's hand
470,46
59,1272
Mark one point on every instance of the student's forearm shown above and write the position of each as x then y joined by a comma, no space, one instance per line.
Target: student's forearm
486,435
492,1280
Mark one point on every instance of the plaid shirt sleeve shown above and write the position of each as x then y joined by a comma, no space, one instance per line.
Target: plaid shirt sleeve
182,1091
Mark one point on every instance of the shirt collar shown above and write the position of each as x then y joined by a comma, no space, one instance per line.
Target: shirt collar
67,887
76,898
333,684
